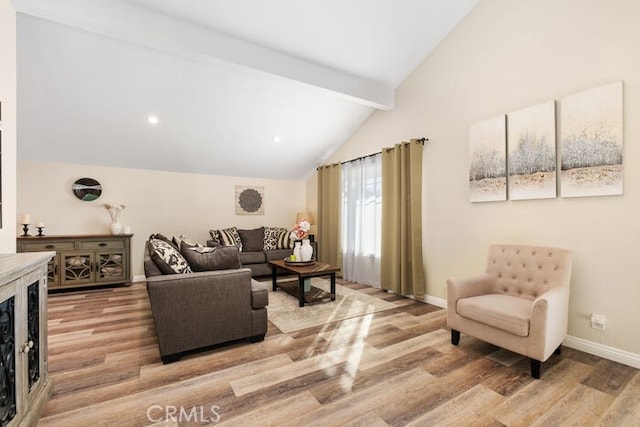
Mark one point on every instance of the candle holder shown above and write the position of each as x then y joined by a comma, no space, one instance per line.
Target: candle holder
25,228
40,234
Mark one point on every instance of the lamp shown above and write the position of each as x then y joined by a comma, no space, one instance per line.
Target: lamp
306,216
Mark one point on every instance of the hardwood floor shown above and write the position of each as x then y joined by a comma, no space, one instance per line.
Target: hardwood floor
395,367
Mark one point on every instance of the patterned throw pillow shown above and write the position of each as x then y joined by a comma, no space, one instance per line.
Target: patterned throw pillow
272,237
177,241
227,237
214,236
164,238
284,239
168,259
277,238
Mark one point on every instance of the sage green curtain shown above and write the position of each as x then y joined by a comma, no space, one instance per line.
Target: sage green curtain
329,215
402,269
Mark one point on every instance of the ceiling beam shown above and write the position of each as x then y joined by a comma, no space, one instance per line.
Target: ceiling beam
130,23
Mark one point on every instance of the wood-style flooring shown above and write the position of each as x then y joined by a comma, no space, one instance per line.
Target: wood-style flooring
395,367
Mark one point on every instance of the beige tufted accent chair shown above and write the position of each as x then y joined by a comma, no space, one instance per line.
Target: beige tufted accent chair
521,303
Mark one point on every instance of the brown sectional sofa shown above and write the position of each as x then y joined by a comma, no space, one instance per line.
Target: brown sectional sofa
257,261
257,246
197,310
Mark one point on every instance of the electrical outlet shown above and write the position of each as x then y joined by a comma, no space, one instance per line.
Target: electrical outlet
599,321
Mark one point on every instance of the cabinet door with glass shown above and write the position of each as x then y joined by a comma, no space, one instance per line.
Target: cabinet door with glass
110,266
24,382
77,268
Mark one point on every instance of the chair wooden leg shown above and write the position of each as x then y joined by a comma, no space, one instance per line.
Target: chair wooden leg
535,368
455,337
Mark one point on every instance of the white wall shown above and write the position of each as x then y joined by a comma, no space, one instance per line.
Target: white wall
504,56
8,99
156,202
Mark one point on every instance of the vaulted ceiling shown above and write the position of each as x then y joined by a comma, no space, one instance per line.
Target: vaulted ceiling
248,88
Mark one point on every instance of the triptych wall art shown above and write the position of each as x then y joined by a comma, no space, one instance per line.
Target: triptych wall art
515,156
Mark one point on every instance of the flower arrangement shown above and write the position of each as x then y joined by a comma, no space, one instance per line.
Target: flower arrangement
113,211
300,230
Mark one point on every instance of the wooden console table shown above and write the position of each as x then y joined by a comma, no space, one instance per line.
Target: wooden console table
83,260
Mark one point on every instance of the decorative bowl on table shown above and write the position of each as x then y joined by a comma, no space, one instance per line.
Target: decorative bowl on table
288,261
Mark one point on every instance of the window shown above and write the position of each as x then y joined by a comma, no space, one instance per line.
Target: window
361,219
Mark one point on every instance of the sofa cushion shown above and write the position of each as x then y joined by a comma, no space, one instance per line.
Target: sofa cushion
168,259
277,254
227,237
252,240
252,258
505,312
209,259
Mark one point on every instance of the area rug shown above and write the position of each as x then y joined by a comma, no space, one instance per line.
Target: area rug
285,313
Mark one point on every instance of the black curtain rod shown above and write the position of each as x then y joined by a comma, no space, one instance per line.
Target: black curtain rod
360,158
421,140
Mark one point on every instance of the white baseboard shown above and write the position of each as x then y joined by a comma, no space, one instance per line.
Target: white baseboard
438,302
138,278
611,353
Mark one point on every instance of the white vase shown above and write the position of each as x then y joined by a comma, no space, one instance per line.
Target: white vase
306,250
115,227
296,251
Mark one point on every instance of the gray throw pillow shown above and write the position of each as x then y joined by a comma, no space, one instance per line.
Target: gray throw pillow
252,240
208,259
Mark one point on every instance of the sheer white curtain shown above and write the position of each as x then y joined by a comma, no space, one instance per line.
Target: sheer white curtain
361,219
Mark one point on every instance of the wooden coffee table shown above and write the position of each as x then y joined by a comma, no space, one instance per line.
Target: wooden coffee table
315,269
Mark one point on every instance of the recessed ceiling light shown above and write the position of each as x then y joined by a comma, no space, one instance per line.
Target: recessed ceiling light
276,139
152,119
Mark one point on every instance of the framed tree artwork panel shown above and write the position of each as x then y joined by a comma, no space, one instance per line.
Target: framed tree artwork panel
487,160
591,133
531,157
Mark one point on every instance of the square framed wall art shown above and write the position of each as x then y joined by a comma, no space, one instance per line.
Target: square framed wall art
249,200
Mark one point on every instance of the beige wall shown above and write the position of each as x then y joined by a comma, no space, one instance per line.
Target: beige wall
8,99
504,56
156,202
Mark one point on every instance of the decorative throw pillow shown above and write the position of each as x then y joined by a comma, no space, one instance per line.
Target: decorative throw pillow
167,257
207,259
227,237
271,236
214,236
252,240
276,238
164,238
182,238
284,239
